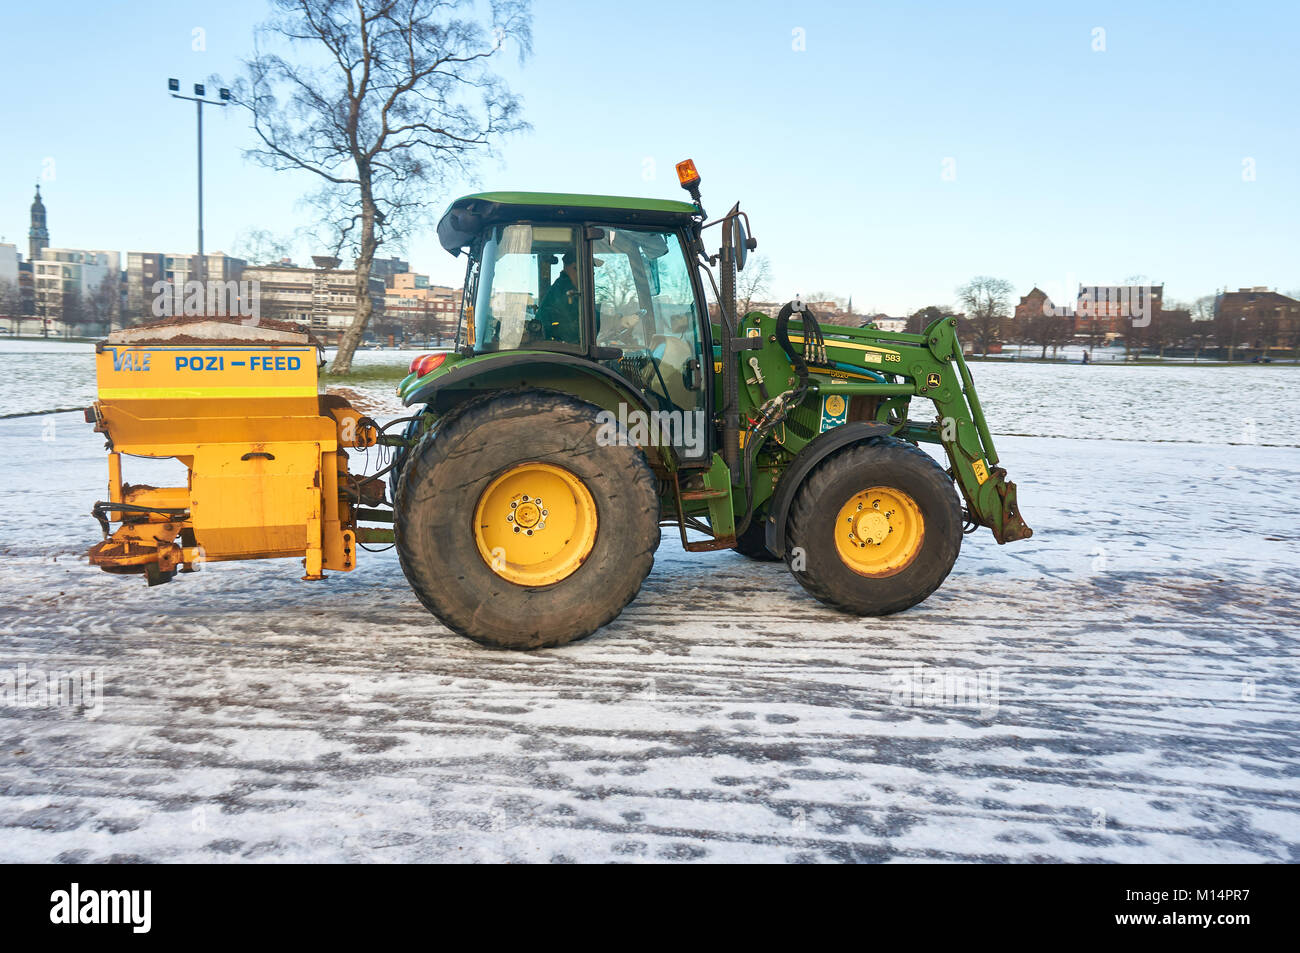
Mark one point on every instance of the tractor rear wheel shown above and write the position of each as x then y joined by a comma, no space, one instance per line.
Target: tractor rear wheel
875,528
517,528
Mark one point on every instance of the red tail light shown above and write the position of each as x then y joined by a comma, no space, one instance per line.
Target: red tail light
426,363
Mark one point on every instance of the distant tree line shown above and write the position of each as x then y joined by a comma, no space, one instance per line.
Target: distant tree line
986,318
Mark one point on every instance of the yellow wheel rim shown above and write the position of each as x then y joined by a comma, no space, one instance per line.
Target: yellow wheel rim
879,531
535,524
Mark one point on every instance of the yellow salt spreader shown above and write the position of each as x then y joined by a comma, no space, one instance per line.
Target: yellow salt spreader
266,453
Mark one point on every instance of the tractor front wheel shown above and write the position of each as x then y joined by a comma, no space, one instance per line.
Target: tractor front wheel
517,527
875,528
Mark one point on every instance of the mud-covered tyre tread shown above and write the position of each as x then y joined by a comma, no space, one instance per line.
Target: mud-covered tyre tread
943,531
455,587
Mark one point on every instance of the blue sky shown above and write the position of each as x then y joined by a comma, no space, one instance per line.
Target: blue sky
1067,164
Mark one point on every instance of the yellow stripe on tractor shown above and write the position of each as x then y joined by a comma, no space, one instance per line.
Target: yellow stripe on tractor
266,453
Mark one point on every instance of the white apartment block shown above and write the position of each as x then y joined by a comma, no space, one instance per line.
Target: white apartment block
60,272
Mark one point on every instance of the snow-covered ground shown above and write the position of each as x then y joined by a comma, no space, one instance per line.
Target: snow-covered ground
1123,687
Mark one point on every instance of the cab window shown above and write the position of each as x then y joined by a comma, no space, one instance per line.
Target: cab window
528,289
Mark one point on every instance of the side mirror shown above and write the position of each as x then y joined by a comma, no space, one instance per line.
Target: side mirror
741,241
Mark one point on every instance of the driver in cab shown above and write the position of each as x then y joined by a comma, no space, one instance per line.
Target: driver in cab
560,310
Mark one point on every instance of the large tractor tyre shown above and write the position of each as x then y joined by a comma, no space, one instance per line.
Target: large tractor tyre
875,528
518,529
753,541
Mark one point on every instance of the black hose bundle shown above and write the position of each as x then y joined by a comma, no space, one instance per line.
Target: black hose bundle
814,341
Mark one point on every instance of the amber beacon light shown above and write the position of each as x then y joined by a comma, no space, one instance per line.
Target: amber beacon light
689,177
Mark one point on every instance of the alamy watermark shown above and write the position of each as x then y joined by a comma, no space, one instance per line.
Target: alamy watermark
33,688
1133,302
680,429
126,907
193,299
922,687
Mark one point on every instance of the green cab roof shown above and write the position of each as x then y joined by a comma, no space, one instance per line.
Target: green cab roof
469,214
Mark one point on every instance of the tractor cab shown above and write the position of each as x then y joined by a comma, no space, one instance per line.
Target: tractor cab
605,280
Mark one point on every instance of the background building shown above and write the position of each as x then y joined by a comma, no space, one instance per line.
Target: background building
77,291
322,298
11,297
145,268
218,266
882,321
1257,319
38,236
388,268
416,311
1108,311
1099,313
9,263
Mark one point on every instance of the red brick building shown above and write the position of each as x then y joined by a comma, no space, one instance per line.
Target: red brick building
1257,319
1102,312
1110,311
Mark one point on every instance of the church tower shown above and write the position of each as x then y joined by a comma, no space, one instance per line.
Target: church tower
38,239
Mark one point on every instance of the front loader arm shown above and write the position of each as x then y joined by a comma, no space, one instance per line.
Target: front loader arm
895,368
964,434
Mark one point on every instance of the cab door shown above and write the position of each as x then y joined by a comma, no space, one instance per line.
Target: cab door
649,329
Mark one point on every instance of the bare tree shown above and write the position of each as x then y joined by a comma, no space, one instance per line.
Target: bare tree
1046,330
985,300
11,303
103,303
428,323
389,325
73,312
383,100
825,296
1229,330
1201,330
614,286
258,246
921,319
1203,308
1135,334
752,283
1032,328
1170,327
1093,330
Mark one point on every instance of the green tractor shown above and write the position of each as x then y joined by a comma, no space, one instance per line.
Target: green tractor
594,397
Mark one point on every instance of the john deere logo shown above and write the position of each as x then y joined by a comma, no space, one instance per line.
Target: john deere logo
934,380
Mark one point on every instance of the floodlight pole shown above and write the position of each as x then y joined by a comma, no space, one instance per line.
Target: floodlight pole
199,103
198,115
